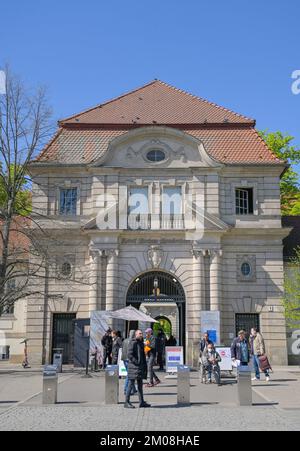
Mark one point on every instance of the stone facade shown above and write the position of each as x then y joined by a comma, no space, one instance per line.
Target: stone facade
205,260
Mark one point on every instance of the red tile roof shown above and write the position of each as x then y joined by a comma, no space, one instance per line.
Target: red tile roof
228,137
157,103
237,145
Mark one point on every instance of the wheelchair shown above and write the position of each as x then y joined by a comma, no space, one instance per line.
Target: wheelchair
215,373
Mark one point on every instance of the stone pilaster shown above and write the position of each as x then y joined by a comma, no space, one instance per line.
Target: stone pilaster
112,298
215,279
96,280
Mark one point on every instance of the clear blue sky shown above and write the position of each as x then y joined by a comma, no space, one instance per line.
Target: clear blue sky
238,53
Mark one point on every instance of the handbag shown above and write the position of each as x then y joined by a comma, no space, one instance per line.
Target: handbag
264,363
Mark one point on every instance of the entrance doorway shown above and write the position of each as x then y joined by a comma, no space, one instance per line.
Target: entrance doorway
157,288
63,335
163,324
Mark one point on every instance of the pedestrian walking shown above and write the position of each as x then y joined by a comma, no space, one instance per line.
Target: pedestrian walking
160,348
257,346
240,351
124,357
150,351
107,347
116,346
137,369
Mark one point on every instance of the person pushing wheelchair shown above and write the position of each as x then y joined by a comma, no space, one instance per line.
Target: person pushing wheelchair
210,360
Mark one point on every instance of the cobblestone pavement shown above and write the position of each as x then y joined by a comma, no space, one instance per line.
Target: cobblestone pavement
276,406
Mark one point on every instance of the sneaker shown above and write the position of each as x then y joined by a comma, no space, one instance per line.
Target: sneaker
157,382
254,379
268,379
149,385
145,404
128,405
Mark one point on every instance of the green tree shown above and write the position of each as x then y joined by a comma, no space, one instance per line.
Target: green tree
22,200
24,130
291,299
281,145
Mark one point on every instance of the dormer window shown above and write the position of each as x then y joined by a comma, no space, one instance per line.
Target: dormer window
156,156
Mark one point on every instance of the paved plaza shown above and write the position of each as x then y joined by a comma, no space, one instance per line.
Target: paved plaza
276,405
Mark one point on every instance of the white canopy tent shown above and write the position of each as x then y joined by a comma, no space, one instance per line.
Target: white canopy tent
99,322
132,314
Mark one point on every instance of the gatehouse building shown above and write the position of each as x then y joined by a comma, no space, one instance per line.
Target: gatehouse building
167,202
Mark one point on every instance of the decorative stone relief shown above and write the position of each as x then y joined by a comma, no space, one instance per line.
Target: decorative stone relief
249,262
155,255
65,267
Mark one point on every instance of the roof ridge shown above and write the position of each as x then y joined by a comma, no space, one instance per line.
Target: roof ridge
206,101
174,88
61,121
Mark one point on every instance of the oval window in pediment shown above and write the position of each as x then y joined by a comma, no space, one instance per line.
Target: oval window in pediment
156,155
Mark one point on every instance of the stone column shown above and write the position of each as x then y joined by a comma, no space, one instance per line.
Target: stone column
93,280
215,279
112,283
199,277
195,306
97,275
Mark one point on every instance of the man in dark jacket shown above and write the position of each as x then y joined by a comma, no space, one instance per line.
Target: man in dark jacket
171,341
160,347
116,345
107,347
204,343
240,349
137,369
150,350
124,357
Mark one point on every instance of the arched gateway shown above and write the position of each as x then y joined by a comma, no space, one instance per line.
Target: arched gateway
160,294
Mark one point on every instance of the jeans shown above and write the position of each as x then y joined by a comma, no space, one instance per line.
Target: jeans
150,364
127,380
131,387
256,367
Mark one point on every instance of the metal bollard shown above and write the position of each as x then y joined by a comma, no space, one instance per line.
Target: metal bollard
50,384
57,361
112,384
183,384
244,386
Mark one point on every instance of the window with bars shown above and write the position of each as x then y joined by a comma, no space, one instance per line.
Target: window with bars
244,201
245,321
68,201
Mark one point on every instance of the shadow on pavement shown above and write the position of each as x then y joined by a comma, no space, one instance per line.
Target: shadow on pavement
9,402
264,404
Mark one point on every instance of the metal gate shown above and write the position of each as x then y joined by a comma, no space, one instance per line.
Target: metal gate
169,290
245,321
81,341
63,335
